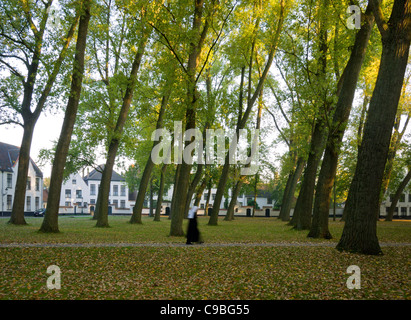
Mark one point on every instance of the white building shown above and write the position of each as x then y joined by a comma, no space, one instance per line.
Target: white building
79,194
9,155
403,208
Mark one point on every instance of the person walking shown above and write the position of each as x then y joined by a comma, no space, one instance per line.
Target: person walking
193,235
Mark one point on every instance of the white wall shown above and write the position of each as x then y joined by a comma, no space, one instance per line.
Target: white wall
32,193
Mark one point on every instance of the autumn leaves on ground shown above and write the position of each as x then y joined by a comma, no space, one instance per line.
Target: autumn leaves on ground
292,270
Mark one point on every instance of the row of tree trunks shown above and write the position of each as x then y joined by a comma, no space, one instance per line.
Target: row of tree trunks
362,205
250,103
138,206
319,228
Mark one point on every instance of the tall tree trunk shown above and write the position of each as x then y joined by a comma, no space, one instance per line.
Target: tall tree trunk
17,214
289,191
241,123
30,117
234,195
303,208
179,203
160,192
199,193
192,188
394,145
104,190
319,227
138,206
360,229
304,205
397,196
50,221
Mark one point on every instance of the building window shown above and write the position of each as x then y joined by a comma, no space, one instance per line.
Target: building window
213,196
74,181
205,196
92,189
28,203
115,190
67,204
79,194
115,203
122,204
92,201
28,183
37,203
9,201
402,198
9,180
123,191
68,193
37,184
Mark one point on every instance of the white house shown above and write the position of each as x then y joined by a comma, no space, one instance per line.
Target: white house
9,155
79,194
403,208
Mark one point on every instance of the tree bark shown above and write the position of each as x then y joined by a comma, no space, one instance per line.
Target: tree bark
319,227
397,196
160,193
138,206
104,190
234,195
362,205
50,221
289,191
179,202
241,123
303,208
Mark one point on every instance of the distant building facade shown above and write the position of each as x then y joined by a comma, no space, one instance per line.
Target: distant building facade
9,161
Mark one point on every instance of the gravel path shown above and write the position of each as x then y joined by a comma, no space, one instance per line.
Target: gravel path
235,244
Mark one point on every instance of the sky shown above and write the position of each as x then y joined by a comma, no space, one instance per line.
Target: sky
46,131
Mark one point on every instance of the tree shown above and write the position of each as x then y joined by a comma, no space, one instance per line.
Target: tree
104,189
50,221
397,195
319,227
360,229
252,97
28,43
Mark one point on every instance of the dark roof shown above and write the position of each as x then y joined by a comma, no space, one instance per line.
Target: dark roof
260,194
9,155
96,174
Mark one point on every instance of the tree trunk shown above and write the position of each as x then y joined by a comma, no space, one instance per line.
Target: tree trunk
160,193
303,208
192,188
241,123
179,202
50,221
397,196
234,195
319,227
17,214
362,205
138,207
289,191
104,190
200,191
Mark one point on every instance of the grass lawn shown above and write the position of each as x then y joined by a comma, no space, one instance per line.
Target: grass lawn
198,272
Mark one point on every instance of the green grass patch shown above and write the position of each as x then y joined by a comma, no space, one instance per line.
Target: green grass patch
81,229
